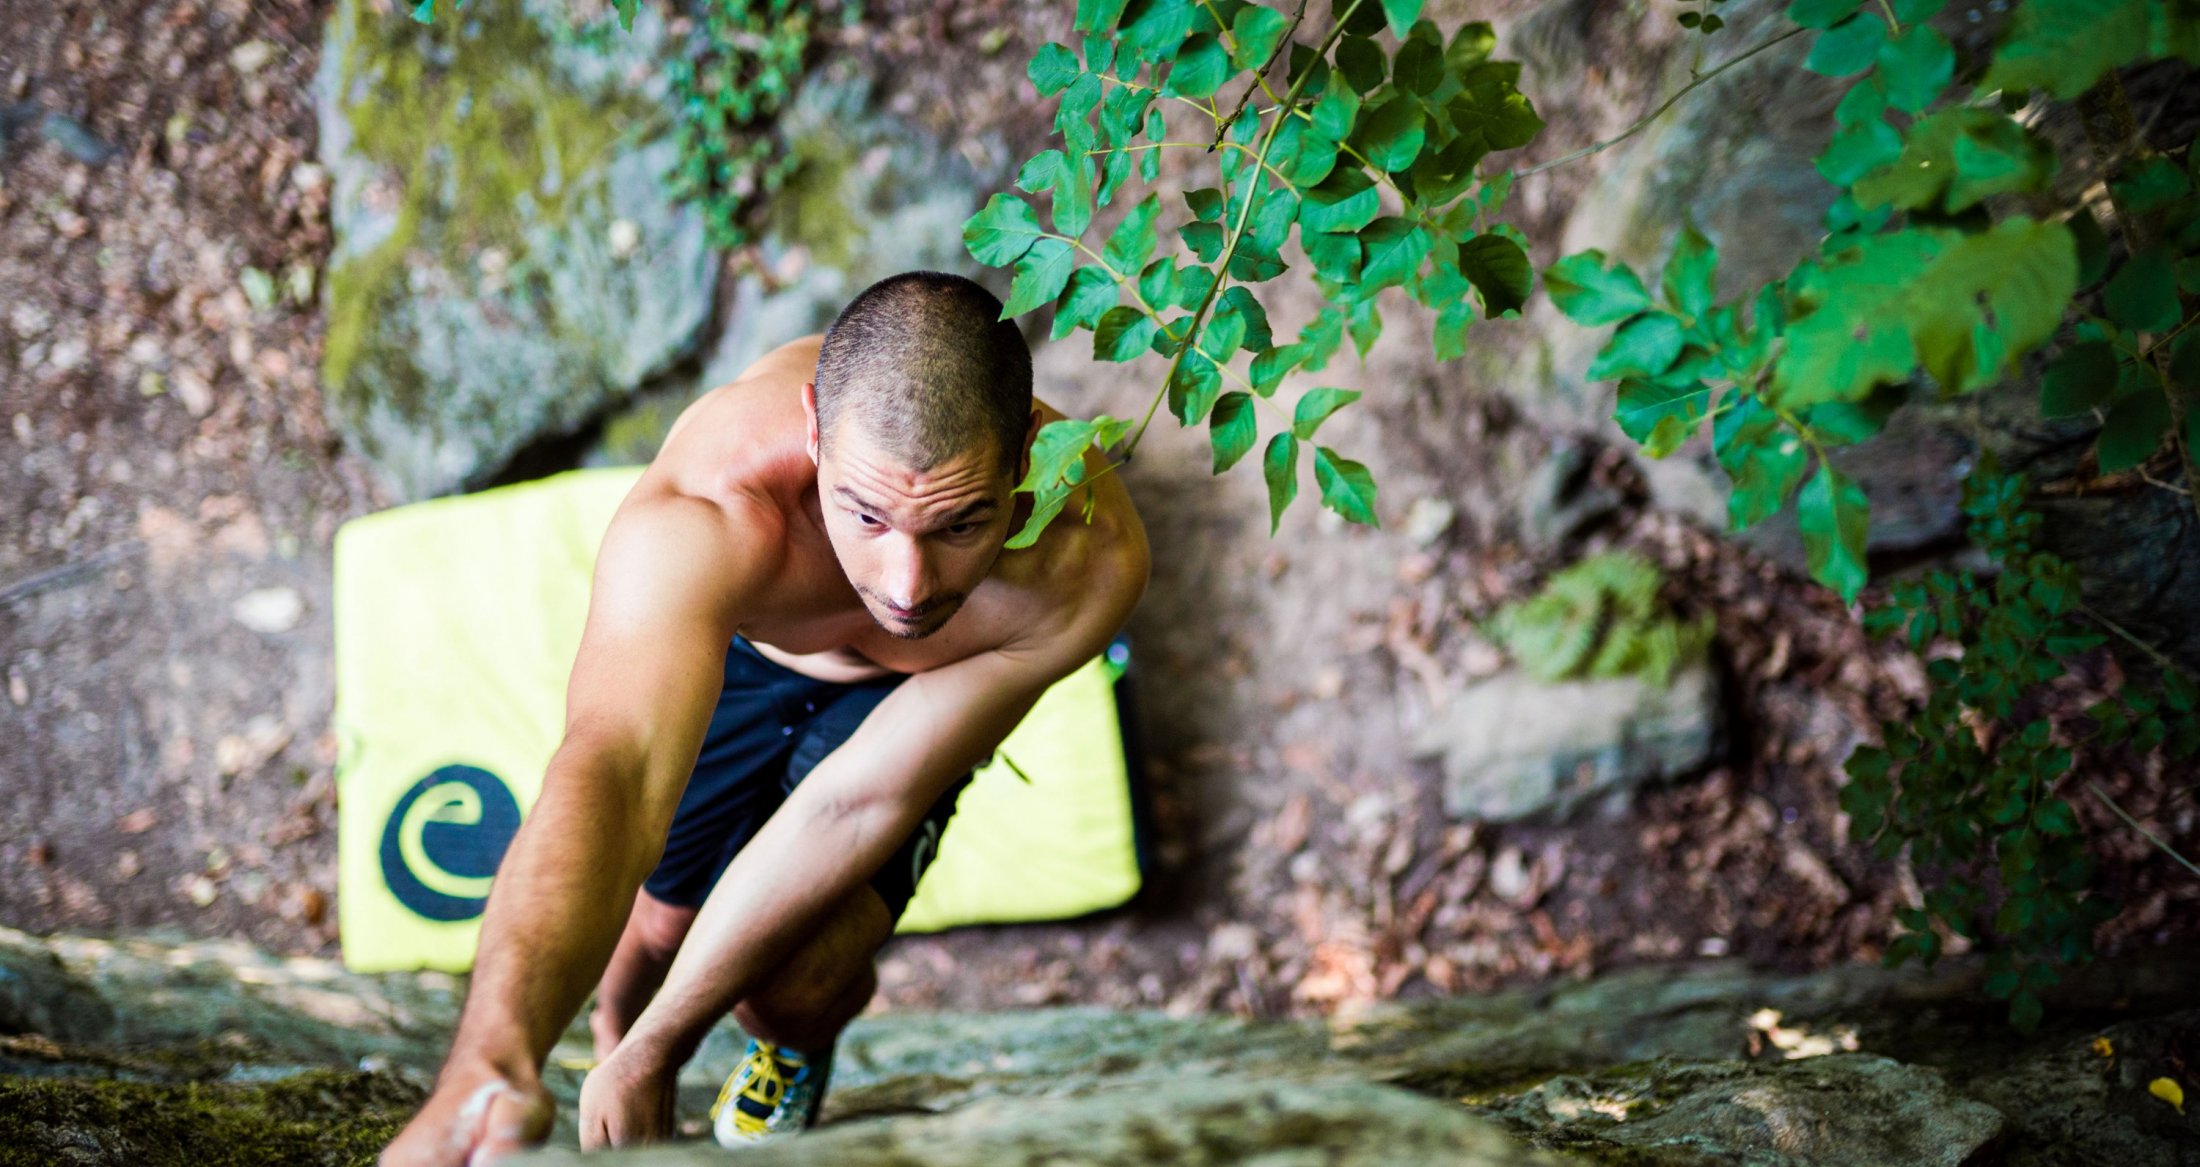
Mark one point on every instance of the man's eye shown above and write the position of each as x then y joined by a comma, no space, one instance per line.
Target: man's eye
867,520
960,529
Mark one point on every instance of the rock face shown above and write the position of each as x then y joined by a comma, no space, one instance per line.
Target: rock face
1514,747
132,1052
508,260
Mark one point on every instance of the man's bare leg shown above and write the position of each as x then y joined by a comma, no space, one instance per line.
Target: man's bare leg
652,938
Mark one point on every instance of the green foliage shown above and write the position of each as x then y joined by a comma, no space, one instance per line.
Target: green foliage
1601,617
727,87
1973,774
1370,155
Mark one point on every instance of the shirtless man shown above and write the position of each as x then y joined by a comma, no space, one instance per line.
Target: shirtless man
836,516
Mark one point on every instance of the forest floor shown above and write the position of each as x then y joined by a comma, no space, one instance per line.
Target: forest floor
173,492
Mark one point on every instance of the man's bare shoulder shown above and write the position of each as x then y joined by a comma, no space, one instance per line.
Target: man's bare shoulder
674,553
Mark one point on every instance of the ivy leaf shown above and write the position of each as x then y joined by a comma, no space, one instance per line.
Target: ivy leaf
1193,387
1822,14
1915,67
1347,488
1255,32
1123,333
1590,293
1498,268
1955,159
1661,414
1232,429
1390,133
1040,276
1133,238
2080,378
2133,430
1834,516
1316,406
1687,277
1090,294
1401,14
1762,455
1848,47
2142,295
1645,346
1002,232
1052,68
1200,68
1345,201
1395,249
1279,465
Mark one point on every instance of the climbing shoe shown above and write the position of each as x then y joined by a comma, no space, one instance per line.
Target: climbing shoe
774,1091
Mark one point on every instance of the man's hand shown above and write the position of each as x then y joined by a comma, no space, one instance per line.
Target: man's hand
472,1120
627,1099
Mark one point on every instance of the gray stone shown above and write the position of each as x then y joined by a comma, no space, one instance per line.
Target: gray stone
509,261
872,195
1191,1121
1841,1110
1515,747
1560,499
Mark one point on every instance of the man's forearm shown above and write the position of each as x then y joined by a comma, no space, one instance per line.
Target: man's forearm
560,899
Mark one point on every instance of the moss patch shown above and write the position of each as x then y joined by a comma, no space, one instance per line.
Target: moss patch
322,1117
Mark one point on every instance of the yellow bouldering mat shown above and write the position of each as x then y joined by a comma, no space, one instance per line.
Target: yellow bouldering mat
456,624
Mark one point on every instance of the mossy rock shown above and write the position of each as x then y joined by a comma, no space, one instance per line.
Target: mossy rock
509,260
322,1117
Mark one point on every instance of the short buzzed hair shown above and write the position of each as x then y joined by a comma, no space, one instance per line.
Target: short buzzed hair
925,363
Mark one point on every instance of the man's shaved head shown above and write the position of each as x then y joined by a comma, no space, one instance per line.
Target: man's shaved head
924,364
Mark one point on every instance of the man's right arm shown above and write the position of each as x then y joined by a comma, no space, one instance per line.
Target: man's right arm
668,590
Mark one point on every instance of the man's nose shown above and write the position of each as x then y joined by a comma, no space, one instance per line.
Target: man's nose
908,581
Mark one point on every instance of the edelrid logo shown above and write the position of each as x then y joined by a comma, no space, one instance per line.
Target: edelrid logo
444,839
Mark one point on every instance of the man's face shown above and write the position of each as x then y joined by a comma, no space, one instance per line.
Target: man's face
914,543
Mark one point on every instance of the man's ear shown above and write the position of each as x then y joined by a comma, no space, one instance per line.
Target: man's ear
809,416
1031,434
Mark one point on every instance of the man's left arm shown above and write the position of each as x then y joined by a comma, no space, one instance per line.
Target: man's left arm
841,823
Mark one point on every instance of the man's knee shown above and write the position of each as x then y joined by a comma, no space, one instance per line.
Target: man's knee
794,1011
659,927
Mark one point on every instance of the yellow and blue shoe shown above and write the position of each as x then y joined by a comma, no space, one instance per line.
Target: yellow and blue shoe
774,1091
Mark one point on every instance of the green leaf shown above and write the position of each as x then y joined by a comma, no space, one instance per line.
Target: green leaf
2080,378
2023,272
1315,408
1834,517
1395,249
2064,46
1239,302
1492,114
1419,66
1390,133
2133,430
1193,387
424,12
1222,335
1122,333
1859,150
1200,68
1133,238
1270,368
1279,465
1955,159
1645,346
1687,278
1157,28
1470,46
1040,276
2142,295
1401,14
2092,247
1255,32
1335,257
1822,14
1339,106
1345,201
1098,15
1361,62
1002,232
1206,204
1058,468
1498,268
1915,67
1590,293
1661,415
1232,429
1347,488
1764,457
1848,47
1052,68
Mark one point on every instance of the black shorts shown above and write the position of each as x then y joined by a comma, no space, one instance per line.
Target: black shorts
771,727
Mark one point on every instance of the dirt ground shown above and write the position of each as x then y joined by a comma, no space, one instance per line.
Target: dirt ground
171,493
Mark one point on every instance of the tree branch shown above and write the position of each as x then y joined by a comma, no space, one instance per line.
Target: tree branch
1659,112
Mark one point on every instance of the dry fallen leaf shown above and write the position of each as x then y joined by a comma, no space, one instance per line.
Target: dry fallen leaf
2168,1091
137,822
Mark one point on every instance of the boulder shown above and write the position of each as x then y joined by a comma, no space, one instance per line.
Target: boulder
1515,747
508,260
